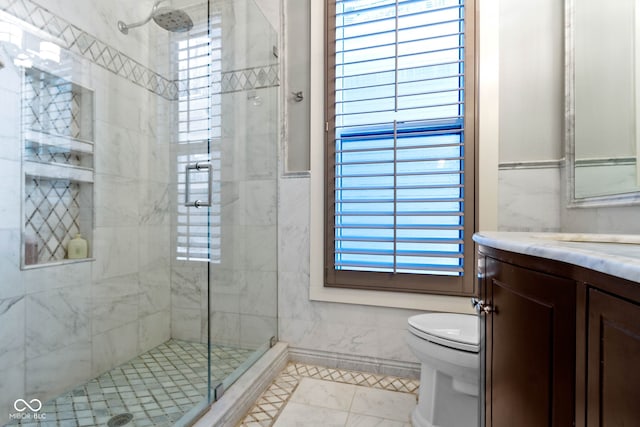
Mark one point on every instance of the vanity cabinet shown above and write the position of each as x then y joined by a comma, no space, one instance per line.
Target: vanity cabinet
612,358
561,343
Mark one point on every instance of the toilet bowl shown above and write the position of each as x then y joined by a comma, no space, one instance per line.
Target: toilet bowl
447,346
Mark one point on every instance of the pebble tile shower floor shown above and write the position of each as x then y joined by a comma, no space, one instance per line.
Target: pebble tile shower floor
157,388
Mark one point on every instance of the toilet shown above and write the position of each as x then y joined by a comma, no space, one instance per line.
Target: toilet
447,346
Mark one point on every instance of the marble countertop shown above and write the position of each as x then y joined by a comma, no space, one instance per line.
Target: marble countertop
616,255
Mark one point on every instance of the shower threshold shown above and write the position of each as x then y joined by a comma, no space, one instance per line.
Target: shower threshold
155,389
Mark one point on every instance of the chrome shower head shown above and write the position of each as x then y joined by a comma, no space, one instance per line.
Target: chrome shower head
173,20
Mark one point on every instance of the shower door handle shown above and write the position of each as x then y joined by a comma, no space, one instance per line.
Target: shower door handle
197,166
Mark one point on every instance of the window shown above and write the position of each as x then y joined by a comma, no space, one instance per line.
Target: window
399,151
199,101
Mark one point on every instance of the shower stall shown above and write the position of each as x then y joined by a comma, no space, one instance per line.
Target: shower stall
138,207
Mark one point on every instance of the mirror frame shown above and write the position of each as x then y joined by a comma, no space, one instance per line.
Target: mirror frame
620,199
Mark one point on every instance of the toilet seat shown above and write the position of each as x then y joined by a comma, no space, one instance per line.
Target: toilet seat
456,331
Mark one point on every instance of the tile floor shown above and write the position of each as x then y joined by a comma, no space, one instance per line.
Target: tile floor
313,396
157,388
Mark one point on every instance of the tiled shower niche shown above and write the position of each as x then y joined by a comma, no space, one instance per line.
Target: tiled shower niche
57,118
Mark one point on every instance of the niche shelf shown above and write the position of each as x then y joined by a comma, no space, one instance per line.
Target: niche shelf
58,166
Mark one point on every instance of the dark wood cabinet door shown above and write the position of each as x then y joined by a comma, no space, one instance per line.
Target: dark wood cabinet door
530,347
613,359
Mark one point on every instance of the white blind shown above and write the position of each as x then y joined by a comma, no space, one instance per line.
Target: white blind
399,136
199,129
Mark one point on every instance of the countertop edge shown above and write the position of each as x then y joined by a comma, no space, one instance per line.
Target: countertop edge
528,244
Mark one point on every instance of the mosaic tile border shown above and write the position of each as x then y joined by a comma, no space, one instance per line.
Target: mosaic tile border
271,403
250,78
88,46
115,61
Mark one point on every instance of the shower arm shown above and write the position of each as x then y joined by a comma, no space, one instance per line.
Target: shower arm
124,28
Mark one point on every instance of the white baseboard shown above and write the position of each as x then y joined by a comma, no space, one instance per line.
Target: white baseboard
355,363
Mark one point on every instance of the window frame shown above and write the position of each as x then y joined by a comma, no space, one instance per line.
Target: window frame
463,285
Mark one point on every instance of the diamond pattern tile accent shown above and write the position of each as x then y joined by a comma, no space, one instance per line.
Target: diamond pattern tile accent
270,404
157,387
88,46
52,215
250,78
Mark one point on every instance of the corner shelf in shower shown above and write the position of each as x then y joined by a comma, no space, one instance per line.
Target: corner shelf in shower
58,167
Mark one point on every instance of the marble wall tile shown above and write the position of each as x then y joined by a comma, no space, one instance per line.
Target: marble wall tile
234,247
10,193
187,324
58,370
155,293
117,149
153,330
117,202
271,10
225,329
261,250
260,202
233,203
12,327
62,276
56,319
116,252
529,199
154,203
114,347
260,293
12,283
188,284
262,158
293,297
120,102
227,281
256,331
293,225
114,302
11,388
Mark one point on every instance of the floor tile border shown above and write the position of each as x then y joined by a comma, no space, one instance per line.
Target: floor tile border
270,404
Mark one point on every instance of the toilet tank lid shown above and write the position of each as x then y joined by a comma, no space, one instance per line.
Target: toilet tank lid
461,328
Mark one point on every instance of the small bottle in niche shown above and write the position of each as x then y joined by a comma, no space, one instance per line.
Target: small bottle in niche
77,248
30,250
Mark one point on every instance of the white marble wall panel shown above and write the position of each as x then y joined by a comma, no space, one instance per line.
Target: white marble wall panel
64,276
529,199
12,337
58,370
115,251
187,324
153,199
12,283
114,347
344,330
260,293
256,331
10,193
56,319
117,150
225,329
262,250
114,303
261,203
11,388
117,201
153,330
